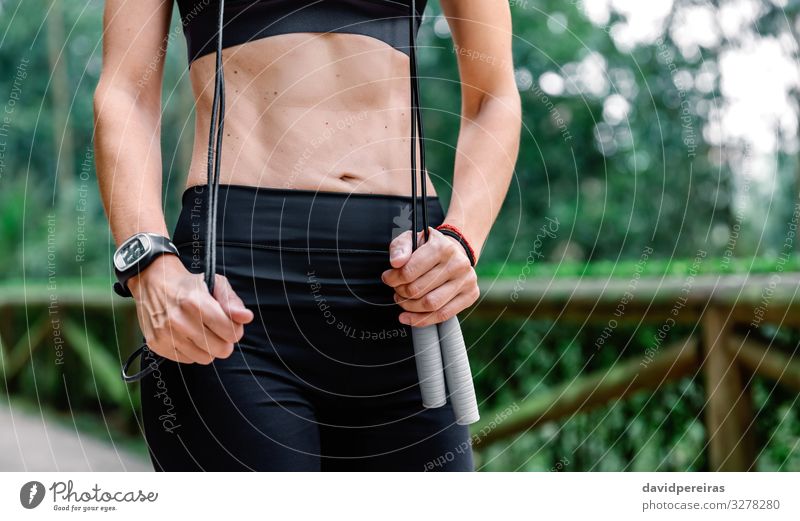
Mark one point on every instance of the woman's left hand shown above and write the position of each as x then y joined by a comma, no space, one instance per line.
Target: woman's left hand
435,283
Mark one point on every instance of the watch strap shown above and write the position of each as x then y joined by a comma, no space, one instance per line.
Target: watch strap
160,245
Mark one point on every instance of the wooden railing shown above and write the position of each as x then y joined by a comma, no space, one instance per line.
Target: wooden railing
66,318
724,359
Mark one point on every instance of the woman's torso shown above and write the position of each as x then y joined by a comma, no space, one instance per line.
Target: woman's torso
307,110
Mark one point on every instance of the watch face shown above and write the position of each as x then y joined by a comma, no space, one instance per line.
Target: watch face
131,252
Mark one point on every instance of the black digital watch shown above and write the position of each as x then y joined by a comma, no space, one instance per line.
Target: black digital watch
135,254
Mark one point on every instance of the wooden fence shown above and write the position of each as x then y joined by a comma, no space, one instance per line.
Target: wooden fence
726,310
724,358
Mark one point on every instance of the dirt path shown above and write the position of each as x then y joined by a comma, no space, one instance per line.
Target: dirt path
29,442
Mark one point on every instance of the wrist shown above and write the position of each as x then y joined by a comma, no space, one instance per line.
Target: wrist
455,234
136,254
460,247
160,268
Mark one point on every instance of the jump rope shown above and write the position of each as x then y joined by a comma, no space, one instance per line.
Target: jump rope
439,349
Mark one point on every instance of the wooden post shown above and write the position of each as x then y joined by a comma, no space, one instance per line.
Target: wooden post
728,411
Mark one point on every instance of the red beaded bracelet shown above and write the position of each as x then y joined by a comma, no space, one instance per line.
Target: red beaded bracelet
452,231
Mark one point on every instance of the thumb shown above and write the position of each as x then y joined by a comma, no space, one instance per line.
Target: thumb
230,301
400,249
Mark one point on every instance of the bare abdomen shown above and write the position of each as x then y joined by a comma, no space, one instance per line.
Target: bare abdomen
309,111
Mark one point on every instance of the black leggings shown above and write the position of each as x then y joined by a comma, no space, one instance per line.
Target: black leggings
324,377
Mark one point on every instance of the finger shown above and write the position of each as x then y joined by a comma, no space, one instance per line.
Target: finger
197,352
175,354
448,311
400,249
167,351
181,340
209,342
187,338
432,300
426,283
453,269
231,304
182,358
206,340
423,260
172,348
209,311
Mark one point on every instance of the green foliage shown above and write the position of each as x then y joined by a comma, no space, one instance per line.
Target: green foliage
653,267
587,198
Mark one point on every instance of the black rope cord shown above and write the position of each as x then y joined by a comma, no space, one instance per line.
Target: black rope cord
214,153
214,156
416,120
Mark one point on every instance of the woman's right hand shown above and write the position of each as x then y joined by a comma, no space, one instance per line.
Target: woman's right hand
180,320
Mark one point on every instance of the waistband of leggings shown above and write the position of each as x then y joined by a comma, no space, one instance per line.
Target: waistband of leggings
301,219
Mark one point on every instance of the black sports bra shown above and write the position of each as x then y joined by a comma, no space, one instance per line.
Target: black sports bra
247,20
